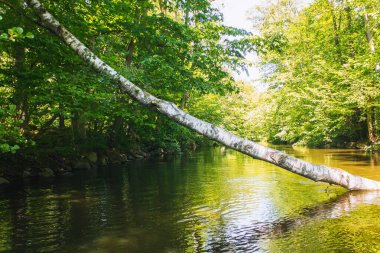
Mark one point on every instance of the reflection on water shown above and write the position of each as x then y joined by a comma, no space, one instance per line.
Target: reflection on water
353,160
211,201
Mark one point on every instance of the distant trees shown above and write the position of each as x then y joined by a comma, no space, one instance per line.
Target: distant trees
325,81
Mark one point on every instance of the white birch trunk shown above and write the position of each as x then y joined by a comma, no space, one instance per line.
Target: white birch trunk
315,172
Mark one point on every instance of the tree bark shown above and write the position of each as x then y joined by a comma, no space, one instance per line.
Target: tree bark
78,124
372,137
21,88
315,172
116,131
336,31
130,49
369,37
185,100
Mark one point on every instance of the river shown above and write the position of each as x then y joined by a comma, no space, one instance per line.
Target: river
208,201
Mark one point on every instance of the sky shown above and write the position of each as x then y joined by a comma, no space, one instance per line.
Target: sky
235,13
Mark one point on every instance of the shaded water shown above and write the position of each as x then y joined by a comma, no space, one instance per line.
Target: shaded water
209,201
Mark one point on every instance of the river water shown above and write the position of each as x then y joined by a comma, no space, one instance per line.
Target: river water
208,201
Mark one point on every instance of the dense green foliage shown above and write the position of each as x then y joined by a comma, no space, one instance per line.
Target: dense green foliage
324,84
176,50
321,64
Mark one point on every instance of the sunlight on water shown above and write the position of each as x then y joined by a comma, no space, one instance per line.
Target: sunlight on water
210,201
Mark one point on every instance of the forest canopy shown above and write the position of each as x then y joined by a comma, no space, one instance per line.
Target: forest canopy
320,64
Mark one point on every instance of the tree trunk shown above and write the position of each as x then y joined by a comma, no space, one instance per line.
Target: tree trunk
370,111
185,100
130,49
312,171
371,125
78,124
336,31
370,38
21,88
61,121
116,131
61,117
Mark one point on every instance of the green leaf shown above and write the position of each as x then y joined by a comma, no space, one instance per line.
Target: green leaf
18,30
4,36
29,35
14,148
11,31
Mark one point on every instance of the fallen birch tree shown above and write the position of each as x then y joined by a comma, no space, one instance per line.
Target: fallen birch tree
314,172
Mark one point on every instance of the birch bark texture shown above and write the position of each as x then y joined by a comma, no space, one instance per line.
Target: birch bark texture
318,173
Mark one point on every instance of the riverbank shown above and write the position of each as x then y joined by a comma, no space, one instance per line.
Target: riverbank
366,146
45,164
57,153
33,163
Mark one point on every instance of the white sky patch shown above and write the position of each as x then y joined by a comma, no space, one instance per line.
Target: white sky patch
235,14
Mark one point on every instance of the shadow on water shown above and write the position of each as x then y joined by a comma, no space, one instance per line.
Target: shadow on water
349,223
340,206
